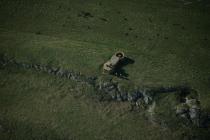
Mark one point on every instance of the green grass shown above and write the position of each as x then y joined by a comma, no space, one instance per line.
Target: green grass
40,106
168,40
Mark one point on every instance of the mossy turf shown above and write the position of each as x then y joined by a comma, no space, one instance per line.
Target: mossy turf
168,40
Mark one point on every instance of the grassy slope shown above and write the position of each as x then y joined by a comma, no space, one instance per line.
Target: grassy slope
41,106
168,41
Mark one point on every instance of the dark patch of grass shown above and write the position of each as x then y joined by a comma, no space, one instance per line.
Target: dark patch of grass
103,19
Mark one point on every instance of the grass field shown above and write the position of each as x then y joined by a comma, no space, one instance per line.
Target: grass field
169,41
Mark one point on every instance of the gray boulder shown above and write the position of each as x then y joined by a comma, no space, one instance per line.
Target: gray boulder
190,102
194,113
140,103
147,98
182,109
60,73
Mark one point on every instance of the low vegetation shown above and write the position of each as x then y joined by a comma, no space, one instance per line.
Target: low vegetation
51,81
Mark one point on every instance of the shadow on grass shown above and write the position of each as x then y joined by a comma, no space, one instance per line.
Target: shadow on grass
119,71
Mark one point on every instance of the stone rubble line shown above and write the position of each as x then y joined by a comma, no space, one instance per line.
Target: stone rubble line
143,97
50,70
107,87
